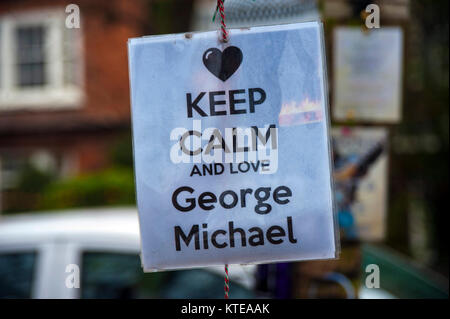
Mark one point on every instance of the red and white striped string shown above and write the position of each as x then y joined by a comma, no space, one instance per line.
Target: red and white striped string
223,26
227,282
224,33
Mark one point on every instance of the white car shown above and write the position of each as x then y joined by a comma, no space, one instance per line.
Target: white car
47,255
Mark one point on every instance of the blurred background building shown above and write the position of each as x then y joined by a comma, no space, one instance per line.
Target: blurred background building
65,123
63,91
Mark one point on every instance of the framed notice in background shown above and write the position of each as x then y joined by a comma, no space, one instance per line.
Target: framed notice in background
368,74
361,181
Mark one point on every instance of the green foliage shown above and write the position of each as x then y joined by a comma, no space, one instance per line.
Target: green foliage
114,186
33,180
122,153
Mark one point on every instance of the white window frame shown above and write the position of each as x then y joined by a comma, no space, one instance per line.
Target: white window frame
55,93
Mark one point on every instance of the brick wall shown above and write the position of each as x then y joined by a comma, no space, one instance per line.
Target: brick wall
105,25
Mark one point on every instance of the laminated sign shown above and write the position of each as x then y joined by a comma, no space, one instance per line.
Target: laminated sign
231,147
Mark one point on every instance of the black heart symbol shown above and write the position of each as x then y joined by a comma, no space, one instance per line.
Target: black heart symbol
222,64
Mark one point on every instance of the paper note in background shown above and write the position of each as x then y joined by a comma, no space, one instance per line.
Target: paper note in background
361,181
368,74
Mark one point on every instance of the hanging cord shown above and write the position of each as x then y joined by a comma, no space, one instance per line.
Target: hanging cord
221,8
227,282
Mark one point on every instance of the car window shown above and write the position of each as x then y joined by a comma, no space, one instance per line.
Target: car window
199,283
16,274
113,275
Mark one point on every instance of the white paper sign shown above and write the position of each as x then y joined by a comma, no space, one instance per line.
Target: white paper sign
368,74
231,147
